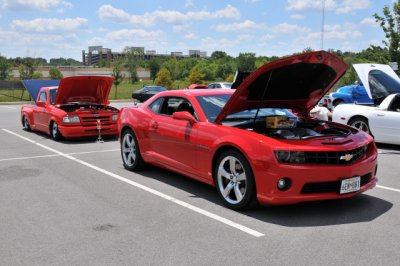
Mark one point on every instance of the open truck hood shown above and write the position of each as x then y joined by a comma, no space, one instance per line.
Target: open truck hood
93,89
297,82
379,80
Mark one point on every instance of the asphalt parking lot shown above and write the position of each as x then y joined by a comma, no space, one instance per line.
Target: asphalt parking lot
72,202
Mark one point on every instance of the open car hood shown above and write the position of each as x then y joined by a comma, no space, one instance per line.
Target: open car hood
94,89
297,82
379,80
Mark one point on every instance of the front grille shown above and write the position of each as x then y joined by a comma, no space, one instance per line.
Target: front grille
93,119
336,157
333,186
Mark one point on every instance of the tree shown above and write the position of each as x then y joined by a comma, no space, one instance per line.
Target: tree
196,76
247,61
37,75
218,54
4,68
55,73
117,67
154,67
134,57
164,79
27,69
390,24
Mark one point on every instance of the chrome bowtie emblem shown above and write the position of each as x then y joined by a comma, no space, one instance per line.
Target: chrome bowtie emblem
346,157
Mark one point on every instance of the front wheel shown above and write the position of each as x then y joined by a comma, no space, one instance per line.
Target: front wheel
55,132
234,180
360,123
130,153
26,124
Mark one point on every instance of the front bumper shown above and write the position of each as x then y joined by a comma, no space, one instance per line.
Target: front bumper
315,176
75,131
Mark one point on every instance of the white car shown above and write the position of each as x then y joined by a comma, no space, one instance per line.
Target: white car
383,121
220,85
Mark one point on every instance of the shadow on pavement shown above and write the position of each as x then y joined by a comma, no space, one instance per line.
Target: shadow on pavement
361,208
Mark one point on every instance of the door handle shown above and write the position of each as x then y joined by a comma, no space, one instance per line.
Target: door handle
154,125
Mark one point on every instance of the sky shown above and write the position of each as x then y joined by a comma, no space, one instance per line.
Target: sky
63,28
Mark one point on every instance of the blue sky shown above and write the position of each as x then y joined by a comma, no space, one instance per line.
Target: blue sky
63,28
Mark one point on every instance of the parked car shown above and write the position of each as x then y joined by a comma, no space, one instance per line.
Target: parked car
197,86
357,93
147,92
76,108
220,85
247,144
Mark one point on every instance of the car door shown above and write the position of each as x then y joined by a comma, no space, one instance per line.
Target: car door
173,141
39,112
385,126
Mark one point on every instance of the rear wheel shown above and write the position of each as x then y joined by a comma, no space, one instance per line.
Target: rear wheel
54,131
234,180
26,124
360,123
130,153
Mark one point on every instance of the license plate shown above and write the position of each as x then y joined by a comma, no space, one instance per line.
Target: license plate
350,185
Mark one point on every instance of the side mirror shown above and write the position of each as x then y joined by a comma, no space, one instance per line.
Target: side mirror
184,115
41,104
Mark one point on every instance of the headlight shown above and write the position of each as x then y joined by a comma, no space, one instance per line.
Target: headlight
71,119
114,117
290,156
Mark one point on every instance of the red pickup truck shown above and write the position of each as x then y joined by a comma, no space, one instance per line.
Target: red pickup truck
75,108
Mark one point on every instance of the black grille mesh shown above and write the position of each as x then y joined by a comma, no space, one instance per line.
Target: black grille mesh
337,158
334,186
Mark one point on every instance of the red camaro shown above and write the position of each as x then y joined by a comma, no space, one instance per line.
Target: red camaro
246,142
76,108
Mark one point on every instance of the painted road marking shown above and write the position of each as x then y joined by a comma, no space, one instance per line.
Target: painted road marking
9,107
388,188
55,155
148,189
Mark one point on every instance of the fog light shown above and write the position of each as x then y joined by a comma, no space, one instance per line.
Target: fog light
284,184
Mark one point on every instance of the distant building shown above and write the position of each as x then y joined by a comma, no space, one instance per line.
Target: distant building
96,55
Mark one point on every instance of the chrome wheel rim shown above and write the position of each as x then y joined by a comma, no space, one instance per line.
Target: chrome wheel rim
26,123
54,129
128,150
360,125
231,178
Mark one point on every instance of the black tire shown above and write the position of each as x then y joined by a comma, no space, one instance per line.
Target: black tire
234,181
130,152
25,123
337,102
55,132
361,123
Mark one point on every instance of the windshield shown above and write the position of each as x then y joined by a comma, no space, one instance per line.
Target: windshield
53,93
213,104
381,84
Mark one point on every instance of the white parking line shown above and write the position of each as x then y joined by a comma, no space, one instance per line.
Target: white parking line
148,189
54,155
388,188
9,107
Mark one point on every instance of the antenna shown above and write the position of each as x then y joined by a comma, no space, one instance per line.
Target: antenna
322,24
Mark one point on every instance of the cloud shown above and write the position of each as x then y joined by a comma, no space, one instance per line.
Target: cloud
133,35
108,12
297,16
251,1
350,5
301,5
289,28
267,38
246,25
370,22
48,25
189,3
42,5
191,36
345,6
216,44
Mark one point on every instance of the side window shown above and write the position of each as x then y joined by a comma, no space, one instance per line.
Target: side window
177,104
218,86
42,97
155,106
